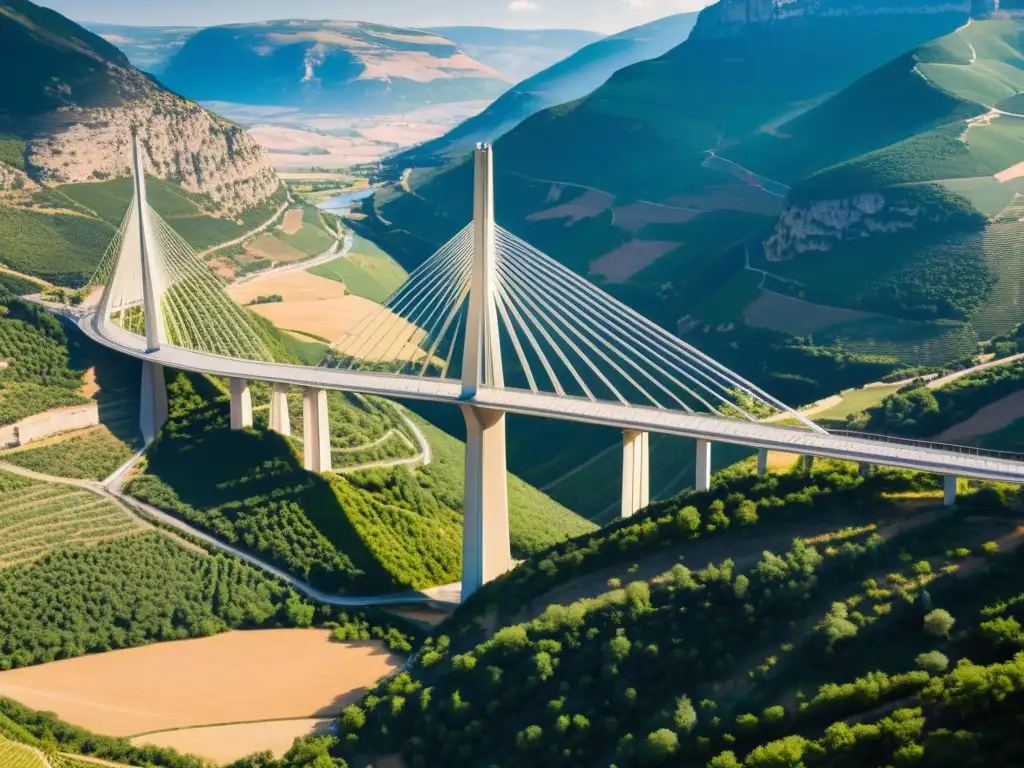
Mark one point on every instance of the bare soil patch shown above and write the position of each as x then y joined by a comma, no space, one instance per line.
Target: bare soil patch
234,677
295,286
336,318
796,316
1013,172
630,259
90,387
590,204
227,743
422,67
992,417
292,221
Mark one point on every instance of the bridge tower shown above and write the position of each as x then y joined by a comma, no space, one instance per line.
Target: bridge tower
153,409
485,541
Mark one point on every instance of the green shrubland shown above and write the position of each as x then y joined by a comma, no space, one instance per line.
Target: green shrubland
372,531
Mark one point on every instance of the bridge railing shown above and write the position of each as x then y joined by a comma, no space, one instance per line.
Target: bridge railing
964,449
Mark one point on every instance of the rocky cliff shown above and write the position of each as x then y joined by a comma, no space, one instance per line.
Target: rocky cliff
821,225
183,142
731,18
78,100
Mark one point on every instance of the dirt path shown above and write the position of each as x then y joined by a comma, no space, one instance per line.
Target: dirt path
261,228
941,382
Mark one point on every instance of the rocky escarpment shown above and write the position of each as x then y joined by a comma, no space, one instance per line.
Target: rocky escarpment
13,180
183,143
821,225
730,18
74,98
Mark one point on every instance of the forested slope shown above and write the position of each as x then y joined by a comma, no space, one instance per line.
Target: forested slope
739,655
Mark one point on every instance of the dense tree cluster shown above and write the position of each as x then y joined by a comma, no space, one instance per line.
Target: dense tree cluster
144,589
736,500
37,375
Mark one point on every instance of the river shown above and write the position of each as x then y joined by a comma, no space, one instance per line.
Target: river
345,201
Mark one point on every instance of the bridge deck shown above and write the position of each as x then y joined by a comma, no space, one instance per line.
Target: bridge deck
649,419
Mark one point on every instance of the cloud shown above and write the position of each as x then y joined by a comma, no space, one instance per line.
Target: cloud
523,5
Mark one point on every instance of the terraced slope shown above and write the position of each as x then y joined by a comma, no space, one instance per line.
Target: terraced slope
37,518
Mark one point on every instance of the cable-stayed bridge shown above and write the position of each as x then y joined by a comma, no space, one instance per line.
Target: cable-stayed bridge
489,324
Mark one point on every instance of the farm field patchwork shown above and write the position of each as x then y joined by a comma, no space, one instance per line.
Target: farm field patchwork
366,271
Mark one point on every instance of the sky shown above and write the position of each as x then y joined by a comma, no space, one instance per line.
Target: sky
599,15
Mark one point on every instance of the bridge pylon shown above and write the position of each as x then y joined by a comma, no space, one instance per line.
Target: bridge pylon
485,540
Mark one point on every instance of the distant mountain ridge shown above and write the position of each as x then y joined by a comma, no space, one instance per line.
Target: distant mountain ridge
570,79
517,53
148,48
328,65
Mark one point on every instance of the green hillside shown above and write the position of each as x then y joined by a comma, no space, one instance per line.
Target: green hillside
643,187
61,233
37,374
366,531
779,621
937,259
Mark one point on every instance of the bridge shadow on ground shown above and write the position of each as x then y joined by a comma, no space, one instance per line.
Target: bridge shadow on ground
112,380
249,489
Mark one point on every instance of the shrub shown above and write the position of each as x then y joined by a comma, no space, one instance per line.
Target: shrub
933,661
939,623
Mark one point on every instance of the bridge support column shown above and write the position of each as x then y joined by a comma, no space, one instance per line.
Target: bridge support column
703,480
153,405
949,490
807,464
280,419
241,404
636,479
864,469
316,431
485,539
762,462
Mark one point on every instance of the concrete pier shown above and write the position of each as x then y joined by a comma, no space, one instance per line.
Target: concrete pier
762,462
241,404
316,431
949,490
636,479
280,418
703,480
153,405
486,553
